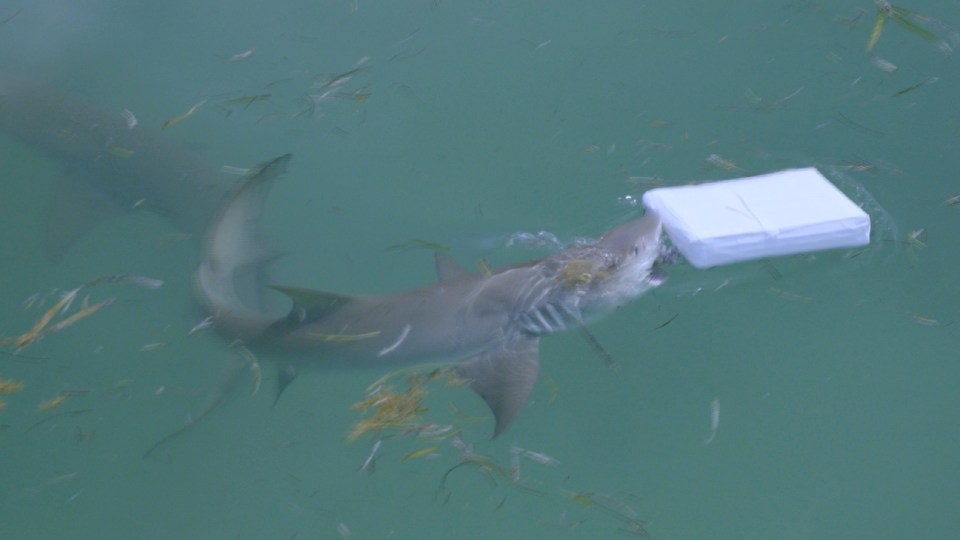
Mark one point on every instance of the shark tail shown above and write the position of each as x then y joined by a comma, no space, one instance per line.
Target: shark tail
229,279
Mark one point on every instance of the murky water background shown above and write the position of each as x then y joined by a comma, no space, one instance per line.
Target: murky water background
469,121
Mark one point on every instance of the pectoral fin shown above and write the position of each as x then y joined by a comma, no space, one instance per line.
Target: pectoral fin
286,374
504,377
74,209
230,384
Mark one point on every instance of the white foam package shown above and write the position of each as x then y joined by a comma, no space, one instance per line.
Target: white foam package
781,213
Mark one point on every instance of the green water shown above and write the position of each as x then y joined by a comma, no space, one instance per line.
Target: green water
836,377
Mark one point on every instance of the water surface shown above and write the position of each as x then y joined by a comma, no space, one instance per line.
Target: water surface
467,122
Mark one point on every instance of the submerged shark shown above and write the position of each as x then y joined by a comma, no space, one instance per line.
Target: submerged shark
487,324
110,165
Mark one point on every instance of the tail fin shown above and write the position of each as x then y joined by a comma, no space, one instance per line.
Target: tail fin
228,277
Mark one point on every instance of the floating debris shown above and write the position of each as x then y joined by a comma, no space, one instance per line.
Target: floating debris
914,22
8,386
202,325
429,451
407,53
24,340
924,321
120,151
370,463
242,56
130,118
246,101
342,338
858,166
62,478
598,349
392,409
670,320
613,506
721,163
920,84
786,295
401,412
54,403
870,131
181,117
332,81
714,420
883,65
537,457
917,238
40,330
645,181
84,312
12,17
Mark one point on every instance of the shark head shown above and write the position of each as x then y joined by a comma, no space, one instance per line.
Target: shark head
620,266
587,281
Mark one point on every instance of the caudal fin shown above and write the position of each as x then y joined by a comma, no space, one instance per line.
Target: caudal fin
228,278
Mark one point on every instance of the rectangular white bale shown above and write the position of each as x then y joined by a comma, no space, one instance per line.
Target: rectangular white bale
781,213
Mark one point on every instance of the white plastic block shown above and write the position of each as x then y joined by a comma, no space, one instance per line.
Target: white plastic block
782,213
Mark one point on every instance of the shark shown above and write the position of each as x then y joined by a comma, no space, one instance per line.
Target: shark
110,165
487,325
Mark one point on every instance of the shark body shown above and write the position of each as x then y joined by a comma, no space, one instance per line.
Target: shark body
487,324
110,166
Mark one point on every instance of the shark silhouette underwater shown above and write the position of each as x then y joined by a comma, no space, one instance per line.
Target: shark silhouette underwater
488,325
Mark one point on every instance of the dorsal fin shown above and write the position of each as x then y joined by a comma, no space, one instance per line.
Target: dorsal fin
314,304
447,268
